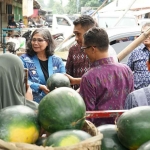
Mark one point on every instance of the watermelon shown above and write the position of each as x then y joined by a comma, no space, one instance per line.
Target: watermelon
110,140
66,138
145,146
134,127
57,80
19,124
61,109
41,141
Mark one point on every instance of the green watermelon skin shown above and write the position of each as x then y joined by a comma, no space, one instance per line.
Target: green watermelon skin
134,127
19,123
66,138
110,139
57,80
61,109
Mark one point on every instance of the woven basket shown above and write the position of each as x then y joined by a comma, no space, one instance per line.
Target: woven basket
93,143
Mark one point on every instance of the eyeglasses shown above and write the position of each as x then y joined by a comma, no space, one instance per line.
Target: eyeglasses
38,40
83,48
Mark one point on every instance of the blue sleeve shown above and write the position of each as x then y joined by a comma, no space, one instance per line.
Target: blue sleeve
130,101
62,67
130,62
24,64
57,61
34,85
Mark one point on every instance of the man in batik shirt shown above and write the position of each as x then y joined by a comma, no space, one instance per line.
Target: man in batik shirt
77,62
137,62
106,84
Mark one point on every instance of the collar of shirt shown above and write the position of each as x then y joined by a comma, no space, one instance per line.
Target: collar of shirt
143,47
103,61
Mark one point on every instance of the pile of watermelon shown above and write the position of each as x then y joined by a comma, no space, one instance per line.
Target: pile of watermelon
131,132
61,116
62,111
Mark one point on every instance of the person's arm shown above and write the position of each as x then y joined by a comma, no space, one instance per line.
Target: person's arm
29,100
87,91
130,101
130,62
61,66
73,81
69,63
34,85
29,95
44,89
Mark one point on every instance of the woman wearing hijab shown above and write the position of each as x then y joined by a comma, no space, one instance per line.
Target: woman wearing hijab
12,86
41,62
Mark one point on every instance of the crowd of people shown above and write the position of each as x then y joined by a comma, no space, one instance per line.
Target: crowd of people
92,67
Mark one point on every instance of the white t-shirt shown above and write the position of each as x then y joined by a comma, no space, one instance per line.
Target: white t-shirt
112,53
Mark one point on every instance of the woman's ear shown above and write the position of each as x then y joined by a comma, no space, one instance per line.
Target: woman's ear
148,65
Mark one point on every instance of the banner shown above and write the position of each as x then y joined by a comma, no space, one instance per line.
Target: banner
27,8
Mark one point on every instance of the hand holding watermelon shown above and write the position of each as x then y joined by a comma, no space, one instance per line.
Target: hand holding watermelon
73,80
44,89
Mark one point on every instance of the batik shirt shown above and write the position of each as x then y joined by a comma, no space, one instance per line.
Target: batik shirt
137,63
140,97
105,87
77,63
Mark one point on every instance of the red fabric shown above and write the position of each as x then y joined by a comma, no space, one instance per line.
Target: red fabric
35,13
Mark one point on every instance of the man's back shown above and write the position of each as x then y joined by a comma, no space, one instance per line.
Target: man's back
105,86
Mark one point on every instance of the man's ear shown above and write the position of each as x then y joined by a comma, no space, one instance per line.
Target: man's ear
148,65
94,49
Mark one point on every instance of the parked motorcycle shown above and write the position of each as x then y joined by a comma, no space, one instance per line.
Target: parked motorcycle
27,35
12,45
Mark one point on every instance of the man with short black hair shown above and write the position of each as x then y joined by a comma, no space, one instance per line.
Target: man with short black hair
77,62
106,84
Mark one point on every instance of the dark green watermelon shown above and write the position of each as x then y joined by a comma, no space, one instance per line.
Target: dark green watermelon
57,80
110,139
62,109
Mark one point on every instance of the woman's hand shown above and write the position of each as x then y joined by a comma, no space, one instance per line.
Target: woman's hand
44,89
29,95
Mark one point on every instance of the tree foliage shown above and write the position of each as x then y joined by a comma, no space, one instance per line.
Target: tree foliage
72,7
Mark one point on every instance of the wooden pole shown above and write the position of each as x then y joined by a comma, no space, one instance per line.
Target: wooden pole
133,45
99,8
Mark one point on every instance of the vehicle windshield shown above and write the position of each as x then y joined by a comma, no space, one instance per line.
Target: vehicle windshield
110,22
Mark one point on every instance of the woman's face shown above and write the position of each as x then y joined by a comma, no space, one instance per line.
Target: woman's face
39,44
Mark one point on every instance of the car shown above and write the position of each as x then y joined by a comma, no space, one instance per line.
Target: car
141,22
119,38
